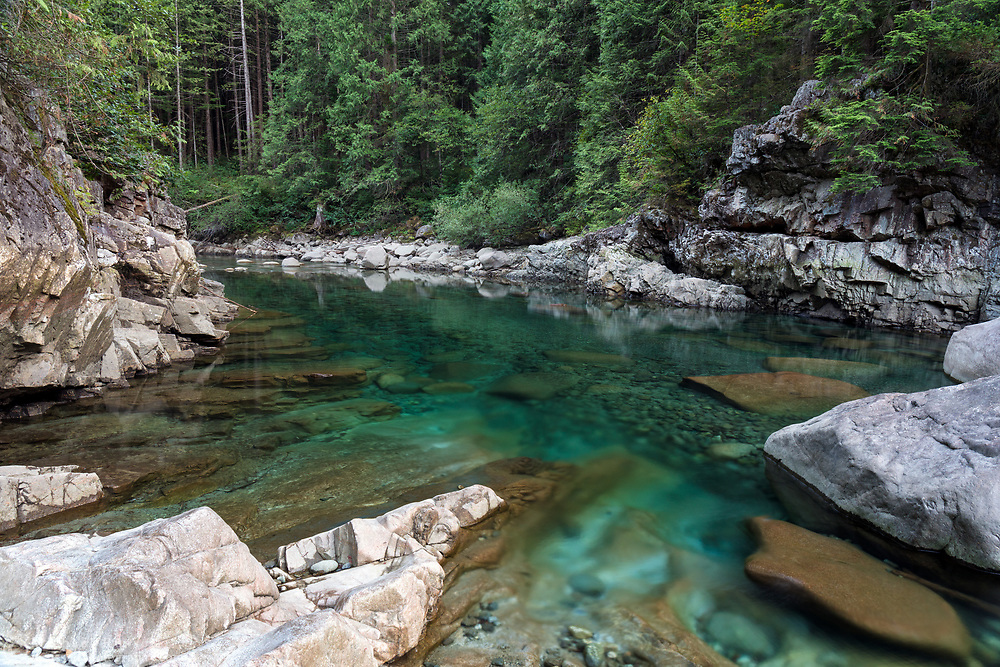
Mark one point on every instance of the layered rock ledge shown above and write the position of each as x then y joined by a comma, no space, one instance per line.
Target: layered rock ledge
93,289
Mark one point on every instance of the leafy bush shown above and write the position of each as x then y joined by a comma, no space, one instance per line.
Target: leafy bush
500,216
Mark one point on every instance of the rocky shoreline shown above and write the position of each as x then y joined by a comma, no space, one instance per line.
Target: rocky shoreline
613,270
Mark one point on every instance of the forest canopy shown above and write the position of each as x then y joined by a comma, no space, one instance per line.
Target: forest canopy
496,119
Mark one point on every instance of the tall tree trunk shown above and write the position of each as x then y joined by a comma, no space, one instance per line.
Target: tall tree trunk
194,134
177,53
236,100
260,76
267,60
246,86
209,138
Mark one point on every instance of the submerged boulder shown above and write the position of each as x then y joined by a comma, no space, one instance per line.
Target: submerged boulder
974,352
922,468
843,582
779,393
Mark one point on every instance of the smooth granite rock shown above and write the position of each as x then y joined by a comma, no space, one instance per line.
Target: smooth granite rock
845,583
141,595
922,468
974,352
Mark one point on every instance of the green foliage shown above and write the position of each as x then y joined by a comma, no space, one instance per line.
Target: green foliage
913,84
503,215
741,73
86,57
882,134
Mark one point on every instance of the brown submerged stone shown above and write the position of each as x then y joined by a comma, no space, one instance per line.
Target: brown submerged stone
532,386
829,368
777,393
845,583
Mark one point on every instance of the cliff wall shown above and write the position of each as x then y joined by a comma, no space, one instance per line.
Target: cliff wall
92,292
919,252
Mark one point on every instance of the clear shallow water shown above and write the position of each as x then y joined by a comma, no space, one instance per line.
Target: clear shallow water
660,493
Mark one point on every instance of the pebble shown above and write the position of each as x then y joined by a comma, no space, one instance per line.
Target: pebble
740,634
593,654
78,658
35,652
324,567
580,633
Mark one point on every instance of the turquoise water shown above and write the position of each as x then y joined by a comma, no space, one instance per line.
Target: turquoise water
665,475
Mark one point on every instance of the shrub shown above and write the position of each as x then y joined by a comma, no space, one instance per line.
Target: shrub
500,216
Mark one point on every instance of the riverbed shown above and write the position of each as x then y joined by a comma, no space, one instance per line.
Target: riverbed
663,476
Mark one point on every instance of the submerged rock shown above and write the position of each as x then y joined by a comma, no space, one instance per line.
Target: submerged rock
777,393
587,357
922,468
974,352
528,386
837,369
844,583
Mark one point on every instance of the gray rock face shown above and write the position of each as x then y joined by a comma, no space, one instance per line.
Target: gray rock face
75,270
142,595
923,468
919,252
616,272
28,493
974,352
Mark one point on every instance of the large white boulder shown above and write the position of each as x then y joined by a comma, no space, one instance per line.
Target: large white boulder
141,595
974,352
923,468
375,257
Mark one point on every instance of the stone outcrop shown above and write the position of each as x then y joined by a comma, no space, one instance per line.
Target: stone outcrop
87,285
186,591
920,251
29,493
844,583
142,595
919,468
974,352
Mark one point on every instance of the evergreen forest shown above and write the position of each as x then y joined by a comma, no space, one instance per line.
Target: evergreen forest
499,121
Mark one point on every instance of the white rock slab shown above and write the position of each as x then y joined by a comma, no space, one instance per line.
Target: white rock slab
141,595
